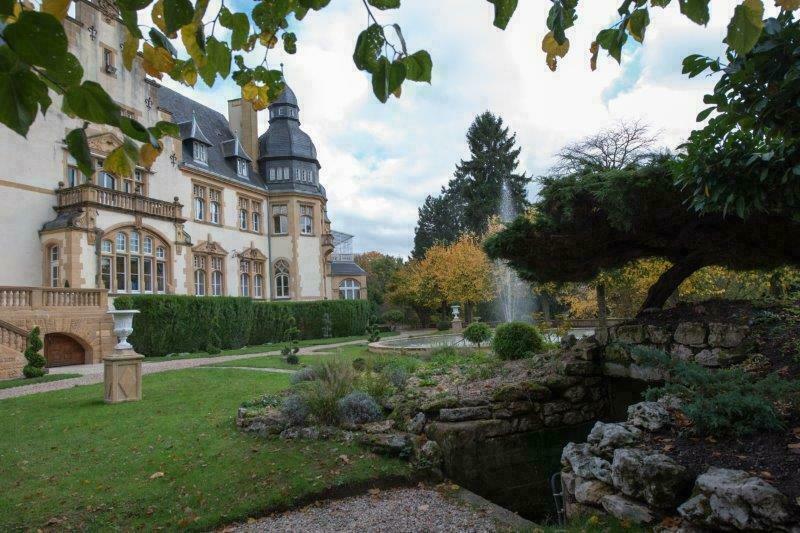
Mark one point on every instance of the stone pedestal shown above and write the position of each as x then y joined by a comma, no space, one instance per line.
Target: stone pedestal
123,376
457,326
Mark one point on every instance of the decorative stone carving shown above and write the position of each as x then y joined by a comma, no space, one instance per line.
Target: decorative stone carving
104,143
209,247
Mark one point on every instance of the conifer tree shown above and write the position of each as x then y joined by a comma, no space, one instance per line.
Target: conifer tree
36,361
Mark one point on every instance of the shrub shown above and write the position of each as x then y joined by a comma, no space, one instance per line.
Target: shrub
292,359
375,384
444,325
305,374
393,317
36,361
359,408
266,400
478,333
359,364
177,324
724,401
397,376
295,410
334,380
516,340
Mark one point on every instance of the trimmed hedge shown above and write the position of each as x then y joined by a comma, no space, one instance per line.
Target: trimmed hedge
515,340
175,324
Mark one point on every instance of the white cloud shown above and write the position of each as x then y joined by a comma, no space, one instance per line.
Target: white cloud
380,161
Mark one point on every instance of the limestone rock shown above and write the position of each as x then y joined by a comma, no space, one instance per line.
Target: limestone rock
616,370
378,427
624,508
459,414
617,353
709,358
585,349
657,335
584,464
575,394
733,500
652,477
429,455
648,415
647,373
576,367
691,333
726,335
604,438
526,390
629,333
393,444
590,491
569,480
681,351
262,423
416,424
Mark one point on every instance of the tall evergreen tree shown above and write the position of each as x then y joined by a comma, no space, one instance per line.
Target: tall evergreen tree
478,181
438,222
475,192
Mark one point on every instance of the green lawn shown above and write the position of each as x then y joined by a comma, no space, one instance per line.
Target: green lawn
19,382
276,361
262,348
70,460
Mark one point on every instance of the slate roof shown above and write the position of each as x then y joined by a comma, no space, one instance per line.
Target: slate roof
341,268
215,127
284,139
234,148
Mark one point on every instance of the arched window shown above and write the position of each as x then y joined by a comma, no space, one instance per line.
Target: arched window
349,289
307,219
128,264
53,254
281,279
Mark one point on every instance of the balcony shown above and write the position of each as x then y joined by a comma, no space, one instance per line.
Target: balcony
342,257
46,297
91,195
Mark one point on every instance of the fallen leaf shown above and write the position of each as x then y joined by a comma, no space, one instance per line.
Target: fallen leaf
374,492
343,458
157,475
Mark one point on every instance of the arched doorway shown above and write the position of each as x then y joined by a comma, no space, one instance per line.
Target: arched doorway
63,350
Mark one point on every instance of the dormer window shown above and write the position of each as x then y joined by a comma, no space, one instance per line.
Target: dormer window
200,152
281,111
272,174
241,167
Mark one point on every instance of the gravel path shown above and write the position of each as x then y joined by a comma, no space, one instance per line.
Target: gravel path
94,373
396,510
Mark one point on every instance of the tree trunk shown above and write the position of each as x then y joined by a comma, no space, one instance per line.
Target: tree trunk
602,314
468,306
669,282
776,285
544,302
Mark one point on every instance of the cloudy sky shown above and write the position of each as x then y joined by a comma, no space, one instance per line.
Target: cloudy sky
379,161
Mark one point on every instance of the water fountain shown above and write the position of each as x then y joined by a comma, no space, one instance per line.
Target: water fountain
515,301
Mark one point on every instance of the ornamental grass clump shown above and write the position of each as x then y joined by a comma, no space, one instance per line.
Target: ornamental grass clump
305,374
722,401
36,361
359,408
335,379
515,340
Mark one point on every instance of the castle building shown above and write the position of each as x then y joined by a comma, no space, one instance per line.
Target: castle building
223,211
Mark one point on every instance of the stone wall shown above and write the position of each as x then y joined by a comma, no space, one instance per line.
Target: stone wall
616,472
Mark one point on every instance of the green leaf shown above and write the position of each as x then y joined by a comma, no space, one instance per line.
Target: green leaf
290,42
219,56
239,24
418,66
384,4
22,93
368,48
122,159
68,73
660,3
560,18
78,147
704,114
503,10
316,5
7,8
387,78
38,39
745,27
177,13
696,10
90,102
136,130
637,24
612,40
163,128
131,22
161,40
133,5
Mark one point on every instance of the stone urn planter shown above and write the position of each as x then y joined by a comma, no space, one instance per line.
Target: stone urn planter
457,324
123,368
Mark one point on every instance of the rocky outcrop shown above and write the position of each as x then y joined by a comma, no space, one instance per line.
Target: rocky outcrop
616,473
733,500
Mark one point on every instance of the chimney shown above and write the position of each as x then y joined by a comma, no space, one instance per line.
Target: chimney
244,120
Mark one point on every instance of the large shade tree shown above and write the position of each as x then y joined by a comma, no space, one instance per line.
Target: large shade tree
588,223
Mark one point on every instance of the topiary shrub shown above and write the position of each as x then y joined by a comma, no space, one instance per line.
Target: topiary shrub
515,340
444,325
478,333
359,408
295,410
393,318
722,401
292,359
306,374
36,361
373,332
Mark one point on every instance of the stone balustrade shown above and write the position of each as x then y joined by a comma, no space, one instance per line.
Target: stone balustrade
42,297
91,195
12,336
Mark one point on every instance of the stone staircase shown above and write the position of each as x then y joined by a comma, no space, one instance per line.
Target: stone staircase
13,341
